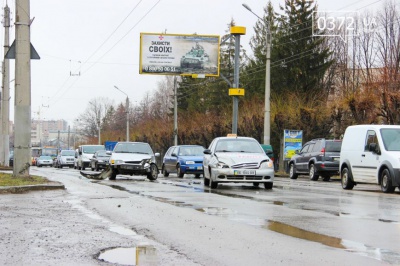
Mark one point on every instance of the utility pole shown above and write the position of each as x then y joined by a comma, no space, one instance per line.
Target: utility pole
175,113
22,113
5,103
127,118
68,136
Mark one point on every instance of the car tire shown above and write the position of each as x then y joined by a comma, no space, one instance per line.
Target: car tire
292,172
179,171
213,184
206,182
312,173
326,178
256,184
268,185
113,174
386,182
165,173
153,172
346,179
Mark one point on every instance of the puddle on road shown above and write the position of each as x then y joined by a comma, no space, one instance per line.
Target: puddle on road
350,246
141,255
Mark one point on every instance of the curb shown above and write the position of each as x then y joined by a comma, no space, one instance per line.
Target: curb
23,189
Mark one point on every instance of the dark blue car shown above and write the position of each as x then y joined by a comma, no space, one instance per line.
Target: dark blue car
183,159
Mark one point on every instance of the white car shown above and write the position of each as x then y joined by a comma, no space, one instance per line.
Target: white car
239,160
66,158
133,158
44,161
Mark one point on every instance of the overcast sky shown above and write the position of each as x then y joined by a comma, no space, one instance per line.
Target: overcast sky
100,40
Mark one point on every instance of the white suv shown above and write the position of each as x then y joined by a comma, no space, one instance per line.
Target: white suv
133,158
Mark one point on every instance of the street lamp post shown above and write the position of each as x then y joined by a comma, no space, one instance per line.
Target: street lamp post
267,108
127,114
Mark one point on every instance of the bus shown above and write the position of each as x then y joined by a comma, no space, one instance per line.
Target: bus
50,151
36,152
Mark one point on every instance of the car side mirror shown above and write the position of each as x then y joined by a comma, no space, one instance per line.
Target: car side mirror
174,154
207,151
374,148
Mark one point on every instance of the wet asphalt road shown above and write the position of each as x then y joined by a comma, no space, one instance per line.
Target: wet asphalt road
298,222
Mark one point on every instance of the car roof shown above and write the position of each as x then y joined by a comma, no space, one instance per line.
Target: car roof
220,138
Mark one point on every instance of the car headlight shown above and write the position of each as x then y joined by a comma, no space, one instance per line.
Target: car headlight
222,165
189,162
266,164
117,162
146,161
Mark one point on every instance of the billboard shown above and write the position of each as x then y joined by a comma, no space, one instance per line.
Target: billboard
292,142
177,54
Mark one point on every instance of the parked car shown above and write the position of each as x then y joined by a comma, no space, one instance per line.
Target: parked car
183,159
269,151
318,157
65,158
133,158
85,153
99,161
44,160
370,154
239,160
11,159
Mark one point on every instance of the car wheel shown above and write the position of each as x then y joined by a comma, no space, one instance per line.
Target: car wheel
197,176
165,173
113,174
312,173
292,172
179,171
256,184
213,184
83,167
347,179
386,182
268,185
96,167
206,182
153,172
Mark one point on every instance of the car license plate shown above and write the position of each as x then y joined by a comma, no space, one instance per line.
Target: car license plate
244,172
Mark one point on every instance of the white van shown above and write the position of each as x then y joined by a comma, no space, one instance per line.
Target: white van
371,154
84,153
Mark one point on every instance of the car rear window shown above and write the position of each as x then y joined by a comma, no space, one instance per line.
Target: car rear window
333,146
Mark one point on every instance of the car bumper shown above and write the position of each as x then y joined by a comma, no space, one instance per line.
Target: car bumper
328,167
135,169
192,168
242,175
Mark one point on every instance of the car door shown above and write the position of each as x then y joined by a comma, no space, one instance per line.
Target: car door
168,160
303,157
369,160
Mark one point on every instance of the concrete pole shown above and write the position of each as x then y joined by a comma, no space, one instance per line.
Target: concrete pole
5,104
22,113
267,108
175,113
235,111
99,127
127,118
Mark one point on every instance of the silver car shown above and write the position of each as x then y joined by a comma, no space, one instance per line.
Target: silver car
239,160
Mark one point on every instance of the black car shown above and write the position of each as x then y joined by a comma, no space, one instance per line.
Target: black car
100,160
318,157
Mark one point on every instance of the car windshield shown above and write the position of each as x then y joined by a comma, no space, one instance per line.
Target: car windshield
239,145
45,158
191,151
67,153
142,148
333,146
92,149
391,138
